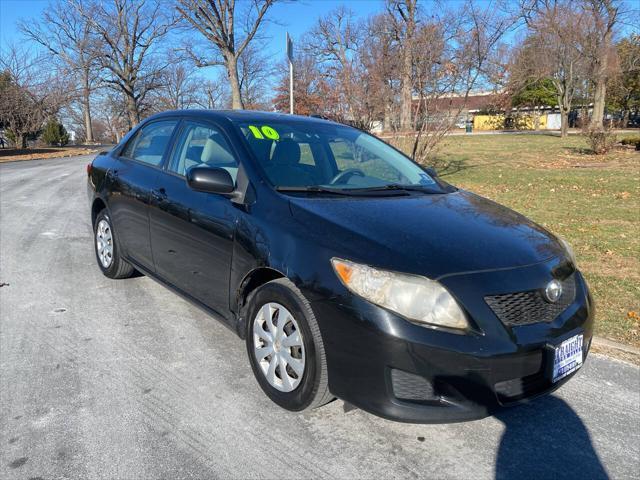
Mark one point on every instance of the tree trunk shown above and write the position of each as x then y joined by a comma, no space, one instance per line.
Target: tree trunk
602,62
21,141
86,105
407,67
87,120
598,102
234,82
133,113
564,97
405,104
564,122
386,123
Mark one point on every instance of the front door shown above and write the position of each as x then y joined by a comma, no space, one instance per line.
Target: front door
192,232
131,180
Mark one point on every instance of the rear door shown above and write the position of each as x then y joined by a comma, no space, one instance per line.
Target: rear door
131,180
192,232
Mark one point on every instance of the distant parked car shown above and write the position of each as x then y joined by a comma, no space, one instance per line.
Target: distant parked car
349,270
634,122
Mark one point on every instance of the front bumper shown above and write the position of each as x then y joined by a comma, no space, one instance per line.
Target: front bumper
385,365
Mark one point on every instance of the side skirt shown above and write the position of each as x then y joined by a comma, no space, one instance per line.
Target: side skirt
231,322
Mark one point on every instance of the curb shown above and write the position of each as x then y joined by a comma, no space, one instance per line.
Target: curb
603,342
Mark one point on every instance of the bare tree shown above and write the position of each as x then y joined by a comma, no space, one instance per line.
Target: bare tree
180,88
337,42
355,71
307,87
255,71
334,42
217,21
404,15
128,33
67,35
112,110
456,52
29,94
214,94
554,48
380,55
603,17
623,90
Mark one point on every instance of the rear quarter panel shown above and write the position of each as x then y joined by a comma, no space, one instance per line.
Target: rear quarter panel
99,168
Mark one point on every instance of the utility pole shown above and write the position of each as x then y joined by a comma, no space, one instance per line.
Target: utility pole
290,57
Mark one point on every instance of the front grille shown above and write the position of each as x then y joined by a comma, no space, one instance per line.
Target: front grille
407,386
525,308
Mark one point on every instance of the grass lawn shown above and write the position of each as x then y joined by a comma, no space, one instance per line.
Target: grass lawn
592,201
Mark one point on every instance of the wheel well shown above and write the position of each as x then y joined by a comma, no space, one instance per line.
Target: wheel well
96,208
253,280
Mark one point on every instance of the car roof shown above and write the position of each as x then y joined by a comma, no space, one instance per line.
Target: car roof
244,116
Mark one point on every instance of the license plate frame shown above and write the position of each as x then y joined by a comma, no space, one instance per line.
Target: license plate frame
568,357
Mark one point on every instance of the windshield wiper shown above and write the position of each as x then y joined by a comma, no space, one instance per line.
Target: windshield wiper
392,188
399,187
314,189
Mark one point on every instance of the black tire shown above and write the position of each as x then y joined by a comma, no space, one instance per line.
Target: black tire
118,268
313,389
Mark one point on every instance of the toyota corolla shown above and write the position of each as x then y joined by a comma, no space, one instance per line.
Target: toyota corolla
349,270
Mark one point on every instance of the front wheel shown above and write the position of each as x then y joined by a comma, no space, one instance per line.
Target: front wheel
106,247
285,347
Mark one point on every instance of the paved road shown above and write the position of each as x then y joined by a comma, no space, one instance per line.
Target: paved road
123,379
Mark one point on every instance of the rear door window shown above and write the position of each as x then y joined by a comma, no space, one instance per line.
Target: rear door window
150,144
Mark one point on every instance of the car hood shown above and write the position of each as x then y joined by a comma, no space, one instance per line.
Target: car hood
431,235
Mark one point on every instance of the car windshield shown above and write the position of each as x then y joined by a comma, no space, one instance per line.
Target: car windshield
329,157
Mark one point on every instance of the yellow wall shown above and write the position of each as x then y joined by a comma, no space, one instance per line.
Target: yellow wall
496,122
527,122
488,122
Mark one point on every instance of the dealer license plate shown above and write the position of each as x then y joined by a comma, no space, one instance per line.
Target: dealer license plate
567,357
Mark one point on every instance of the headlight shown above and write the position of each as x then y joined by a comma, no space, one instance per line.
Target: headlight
416,298
569,251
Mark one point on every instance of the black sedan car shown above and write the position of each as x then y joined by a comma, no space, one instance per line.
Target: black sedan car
349,270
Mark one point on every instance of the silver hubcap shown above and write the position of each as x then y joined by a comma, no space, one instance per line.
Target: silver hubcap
278,347
104,243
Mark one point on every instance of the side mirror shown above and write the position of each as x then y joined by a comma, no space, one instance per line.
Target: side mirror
210,179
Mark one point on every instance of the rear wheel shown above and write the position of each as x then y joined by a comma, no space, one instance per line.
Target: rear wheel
285,347
106,247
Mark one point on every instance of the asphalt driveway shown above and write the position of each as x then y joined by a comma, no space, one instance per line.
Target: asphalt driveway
108,378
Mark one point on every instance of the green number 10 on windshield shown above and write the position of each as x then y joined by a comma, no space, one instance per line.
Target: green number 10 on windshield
264,131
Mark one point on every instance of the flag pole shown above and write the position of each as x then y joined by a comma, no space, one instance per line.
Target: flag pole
290,57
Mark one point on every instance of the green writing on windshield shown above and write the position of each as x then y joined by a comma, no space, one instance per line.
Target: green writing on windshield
265,131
